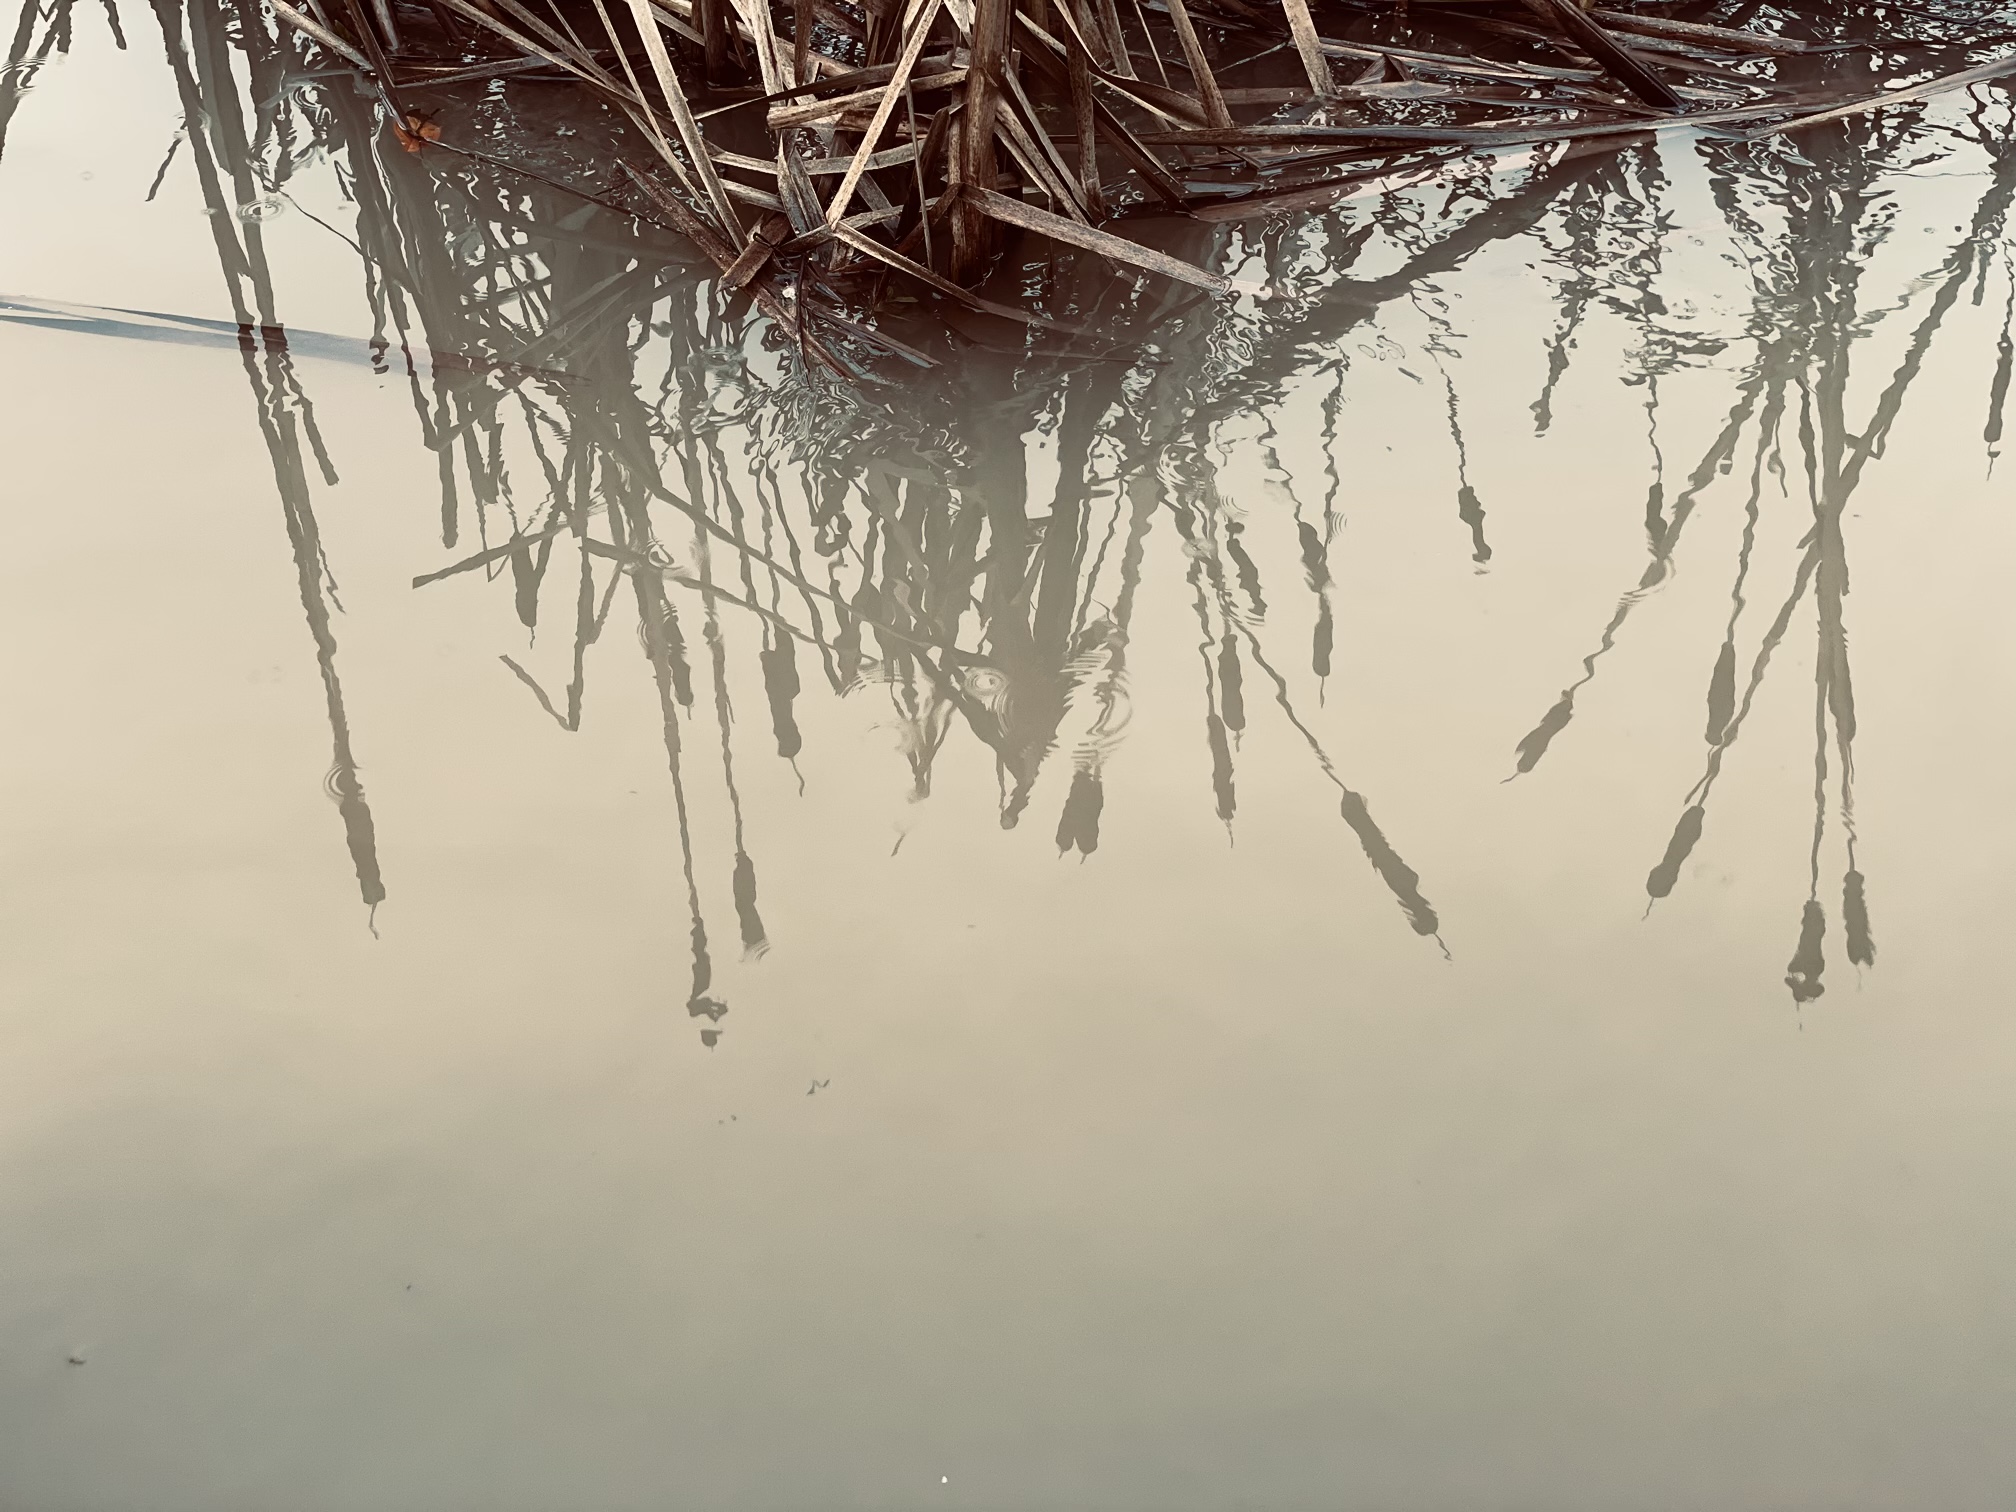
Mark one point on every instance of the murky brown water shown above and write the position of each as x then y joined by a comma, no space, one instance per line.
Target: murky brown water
1320,903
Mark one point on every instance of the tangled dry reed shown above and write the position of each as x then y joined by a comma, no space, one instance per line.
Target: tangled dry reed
852,140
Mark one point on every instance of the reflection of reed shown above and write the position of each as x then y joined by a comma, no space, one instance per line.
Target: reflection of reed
28,51
596,415
1805,321
199,56
898,545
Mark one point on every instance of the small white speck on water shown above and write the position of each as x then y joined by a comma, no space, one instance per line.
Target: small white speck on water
944,1480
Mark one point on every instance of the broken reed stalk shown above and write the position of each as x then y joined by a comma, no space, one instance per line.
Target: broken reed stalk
914,136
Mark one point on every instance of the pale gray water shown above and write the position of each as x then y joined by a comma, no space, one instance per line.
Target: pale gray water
1333,1126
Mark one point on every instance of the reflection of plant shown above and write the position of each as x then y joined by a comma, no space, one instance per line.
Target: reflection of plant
604,426
1808,220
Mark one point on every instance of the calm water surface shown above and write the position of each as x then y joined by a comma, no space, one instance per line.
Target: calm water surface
1319,902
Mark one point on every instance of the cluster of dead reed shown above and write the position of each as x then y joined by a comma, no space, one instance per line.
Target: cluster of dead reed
863,138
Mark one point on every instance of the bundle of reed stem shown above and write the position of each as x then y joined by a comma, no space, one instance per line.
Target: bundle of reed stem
874,138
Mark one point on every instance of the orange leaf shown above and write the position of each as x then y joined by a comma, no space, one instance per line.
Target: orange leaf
417,131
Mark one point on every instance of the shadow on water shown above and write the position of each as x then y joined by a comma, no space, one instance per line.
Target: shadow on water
607,425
